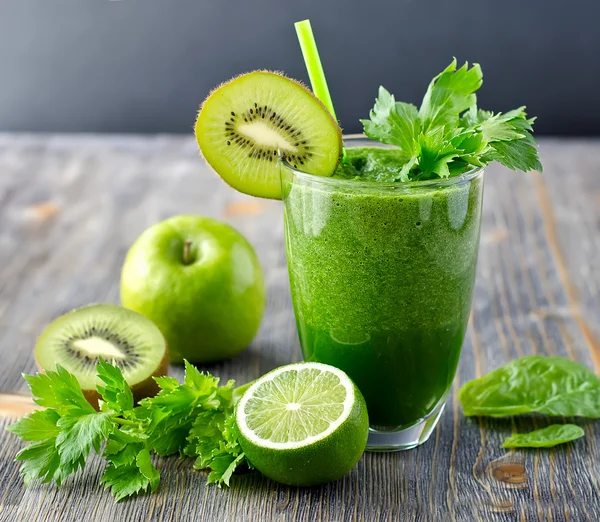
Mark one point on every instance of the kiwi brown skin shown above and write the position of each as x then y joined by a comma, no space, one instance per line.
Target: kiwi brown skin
141,390
299,84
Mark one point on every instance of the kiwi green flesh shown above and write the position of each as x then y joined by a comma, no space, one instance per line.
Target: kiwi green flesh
245,123
120,336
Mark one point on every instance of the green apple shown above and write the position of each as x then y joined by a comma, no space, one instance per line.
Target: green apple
200,281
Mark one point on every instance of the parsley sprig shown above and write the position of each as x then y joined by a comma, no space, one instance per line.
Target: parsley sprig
193,419
448,135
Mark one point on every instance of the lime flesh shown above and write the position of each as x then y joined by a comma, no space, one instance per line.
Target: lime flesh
303,424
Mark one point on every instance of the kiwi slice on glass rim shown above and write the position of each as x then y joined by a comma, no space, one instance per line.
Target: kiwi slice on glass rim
120,336
245,123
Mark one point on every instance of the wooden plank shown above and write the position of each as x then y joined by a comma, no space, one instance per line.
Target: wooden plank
71,205
13,405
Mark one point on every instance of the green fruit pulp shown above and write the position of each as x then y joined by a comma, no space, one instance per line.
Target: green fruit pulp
312,402
207,297
122,337
245,122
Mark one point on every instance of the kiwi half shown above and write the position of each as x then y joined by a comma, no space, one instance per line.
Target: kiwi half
121,337
245,123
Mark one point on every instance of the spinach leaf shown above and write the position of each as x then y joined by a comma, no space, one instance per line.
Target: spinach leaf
546,437
548,385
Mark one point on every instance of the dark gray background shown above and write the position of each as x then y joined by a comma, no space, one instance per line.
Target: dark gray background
145,65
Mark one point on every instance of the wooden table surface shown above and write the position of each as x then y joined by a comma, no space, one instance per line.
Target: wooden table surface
71,205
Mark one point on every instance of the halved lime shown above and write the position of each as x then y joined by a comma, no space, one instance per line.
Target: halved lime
245,123
303,424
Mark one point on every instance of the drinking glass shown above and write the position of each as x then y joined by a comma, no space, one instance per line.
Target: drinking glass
382,278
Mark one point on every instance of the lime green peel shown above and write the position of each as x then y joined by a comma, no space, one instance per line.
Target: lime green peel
314,67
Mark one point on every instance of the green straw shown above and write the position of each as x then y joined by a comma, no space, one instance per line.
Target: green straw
313,64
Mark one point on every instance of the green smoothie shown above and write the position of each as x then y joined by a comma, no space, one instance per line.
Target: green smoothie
382,277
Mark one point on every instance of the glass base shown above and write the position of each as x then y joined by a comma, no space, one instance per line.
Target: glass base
405,437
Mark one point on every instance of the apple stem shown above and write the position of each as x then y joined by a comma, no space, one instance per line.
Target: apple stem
187,245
